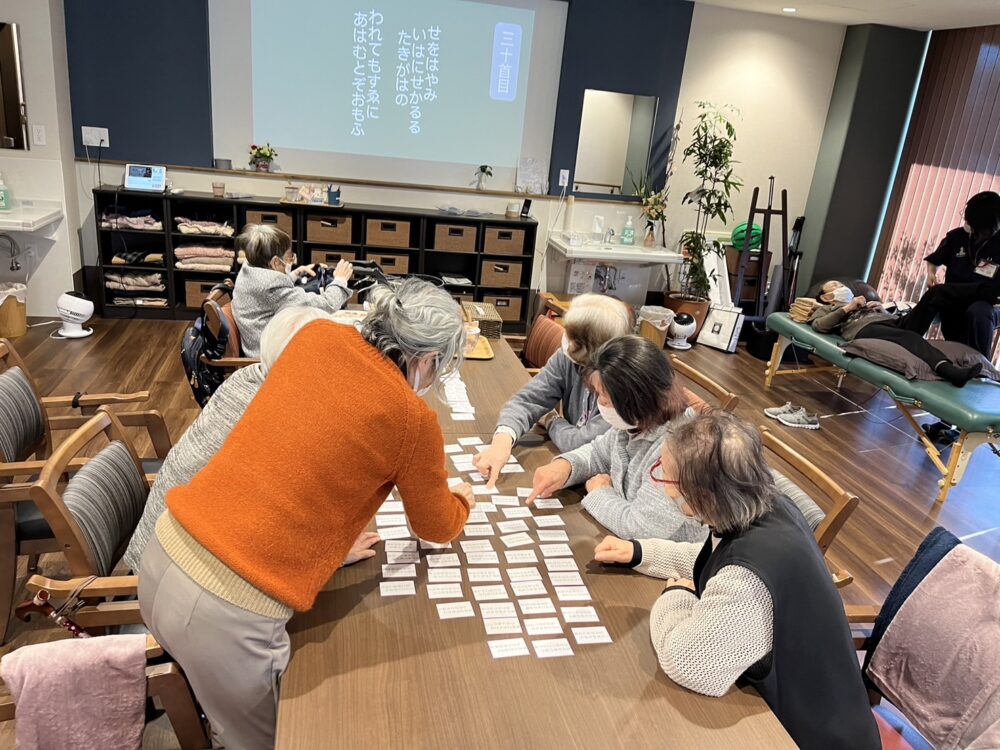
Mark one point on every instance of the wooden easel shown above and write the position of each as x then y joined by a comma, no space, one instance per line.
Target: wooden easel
766,214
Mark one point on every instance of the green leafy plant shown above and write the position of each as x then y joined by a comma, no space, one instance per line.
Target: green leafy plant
654,202
711,151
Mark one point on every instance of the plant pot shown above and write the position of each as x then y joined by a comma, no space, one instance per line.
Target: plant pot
261,166
696,307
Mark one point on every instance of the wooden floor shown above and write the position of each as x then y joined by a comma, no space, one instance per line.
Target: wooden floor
864,443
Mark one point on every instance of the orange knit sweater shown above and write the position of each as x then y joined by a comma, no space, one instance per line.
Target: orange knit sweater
333,428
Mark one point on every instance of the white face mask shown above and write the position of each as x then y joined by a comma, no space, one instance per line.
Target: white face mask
613,418
416,383
842,294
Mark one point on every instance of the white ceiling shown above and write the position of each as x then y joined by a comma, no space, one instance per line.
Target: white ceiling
912,14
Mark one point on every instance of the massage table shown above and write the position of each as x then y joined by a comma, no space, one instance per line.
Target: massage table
974,409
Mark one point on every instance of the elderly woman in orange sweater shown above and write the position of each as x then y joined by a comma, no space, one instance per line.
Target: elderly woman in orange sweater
256,534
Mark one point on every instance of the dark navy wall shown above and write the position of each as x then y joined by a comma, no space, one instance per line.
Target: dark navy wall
628,46
141,69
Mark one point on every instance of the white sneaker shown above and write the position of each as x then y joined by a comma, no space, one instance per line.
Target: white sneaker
800,419
776,411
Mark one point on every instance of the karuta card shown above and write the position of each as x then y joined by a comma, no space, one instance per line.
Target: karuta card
481,448
453,448
424,544
505,500
523,574
489,593
454,610
546,521
485,508
399,545
543,606
511,469
452,481
479,529
579,614
444,591
573,593
507,647
497,609
398,519
470,441
543,626
397,588
517,512
520,556
477,545
567,578
502,625
399,571
560,563
447,560
391,506
548,503
400,558
509,527
555,550
476,516
484,575
523,491
444,575
592,635
395,532
516,540
461,417
482,489
552,535
550,647
482,558
528,588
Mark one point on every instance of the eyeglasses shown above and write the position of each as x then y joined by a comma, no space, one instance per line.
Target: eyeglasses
656,474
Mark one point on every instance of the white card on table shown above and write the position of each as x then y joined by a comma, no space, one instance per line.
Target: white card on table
511,469
543,606
523,491
400,545
401,558
509,527
597,634
555,550
480,529
543,626
528,588
461,417
508,647
399,571
463,407
573,593
517,512
545,521
453,481
453,448
391,506
482,489
477,545
447,560
470,441
444,575
548,503
476,516
482,558
523,574
499,500
520,556
550,647
395,532
552,535
481,448
489,593
516,540
502,625
424,544
398,519
579,614
560,563
497,609
444,591
485,507
453,610
484,575
567,578
397,588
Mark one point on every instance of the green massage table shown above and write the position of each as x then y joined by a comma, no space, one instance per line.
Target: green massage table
974,409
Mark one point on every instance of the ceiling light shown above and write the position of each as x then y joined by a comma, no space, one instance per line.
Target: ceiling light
788,10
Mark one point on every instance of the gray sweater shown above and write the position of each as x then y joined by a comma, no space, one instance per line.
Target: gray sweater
261,292
559,381
833,319
195,449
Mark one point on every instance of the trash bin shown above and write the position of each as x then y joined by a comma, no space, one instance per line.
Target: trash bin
13,309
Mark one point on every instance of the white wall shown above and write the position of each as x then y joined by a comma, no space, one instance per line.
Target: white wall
604,131
779,72
44,172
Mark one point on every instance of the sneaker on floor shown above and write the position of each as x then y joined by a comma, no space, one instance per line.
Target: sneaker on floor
799,419
776,411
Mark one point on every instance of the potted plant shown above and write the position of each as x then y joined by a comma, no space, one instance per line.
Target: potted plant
484,171
711,151
654,202
262,156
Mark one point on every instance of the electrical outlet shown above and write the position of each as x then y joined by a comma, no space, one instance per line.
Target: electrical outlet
563,178
38,135
95,136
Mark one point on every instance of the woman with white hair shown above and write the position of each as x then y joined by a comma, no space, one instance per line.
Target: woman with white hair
592,320
266,283
255,535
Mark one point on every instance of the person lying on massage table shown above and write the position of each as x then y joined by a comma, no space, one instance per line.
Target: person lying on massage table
856,318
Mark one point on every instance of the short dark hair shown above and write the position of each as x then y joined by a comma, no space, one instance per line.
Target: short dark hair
639,380
982,212
721,471
262,242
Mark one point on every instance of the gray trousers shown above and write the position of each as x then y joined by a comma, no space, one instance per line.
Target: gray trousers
232,658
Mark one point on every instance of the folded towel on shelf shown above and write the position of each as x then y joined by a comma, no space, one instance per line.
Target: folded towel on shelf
141,301
137,257
202,251
190,226
134,279
203,264
120,221
139,289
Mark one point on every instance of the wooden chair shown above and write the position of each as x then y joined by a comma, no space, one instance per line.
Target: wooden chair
220,320
727,400
841,503
165,683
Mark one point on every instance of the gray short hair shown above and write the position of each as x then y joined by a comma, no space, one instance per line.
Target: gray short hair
282,329
721,469
262,242
593,319
415,318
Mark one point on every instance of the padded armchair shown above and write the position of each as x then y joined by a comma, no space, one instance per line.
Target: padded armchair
542,341
221,321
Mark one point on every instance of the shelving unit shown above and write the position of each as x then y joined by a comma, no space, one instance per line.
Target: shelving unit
495,253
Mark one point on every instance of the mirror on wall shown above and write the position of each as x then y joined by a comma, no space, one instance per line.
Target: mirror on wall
13,115
616,131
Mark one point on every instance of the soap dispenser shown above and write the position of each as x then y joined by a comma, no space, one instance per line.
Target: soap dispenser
628,232
6,199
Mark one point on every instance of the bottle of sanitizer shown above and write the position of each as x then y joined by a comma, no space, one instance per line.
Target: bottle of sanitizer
6,199
628,232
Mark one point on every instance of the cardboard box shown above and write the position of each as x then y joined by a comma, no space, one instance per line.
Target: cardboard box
501,273
333,229
388,233
454,237
508,306
501,241
396,263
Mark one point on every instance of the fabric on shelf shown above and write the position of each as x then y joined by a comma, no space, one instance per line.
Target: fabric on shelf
136,257
203,265
141,301
202,251
121,221
134,279
191,226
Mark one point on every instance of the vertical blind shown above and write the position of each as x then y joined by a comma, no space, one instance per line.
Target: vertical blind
952,151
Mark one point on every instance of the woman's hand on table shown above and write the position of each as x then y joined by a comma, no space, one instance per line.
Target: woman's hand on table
491,460
464,491
548,479
598,482
614,550
362,548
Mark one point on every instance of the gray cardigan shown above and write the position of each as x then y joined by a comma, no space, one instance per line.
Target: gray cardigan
195,449
261,292
560,380
833,319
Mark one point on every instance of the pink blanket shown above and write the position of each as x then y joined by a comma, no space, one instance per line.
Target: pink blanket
202,251
79,692
939,660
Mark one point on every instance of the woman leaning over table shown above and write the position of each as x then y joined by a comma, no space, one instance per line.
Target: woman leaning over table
255,535
592,319
756,600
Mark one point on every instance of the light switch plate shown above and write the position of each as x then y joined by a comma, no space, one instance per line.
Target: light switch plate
38,135
563,178
95,136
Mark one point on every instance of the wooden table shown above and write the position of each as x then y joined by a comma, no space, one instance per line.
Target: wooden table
368,671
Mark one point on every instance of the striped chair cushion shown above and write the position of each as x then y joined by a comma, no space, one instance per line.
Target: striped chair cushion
106,497
21,422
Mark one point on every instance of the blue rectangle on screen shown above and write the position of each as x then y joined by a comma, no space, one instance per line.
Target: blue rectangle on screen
506,62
